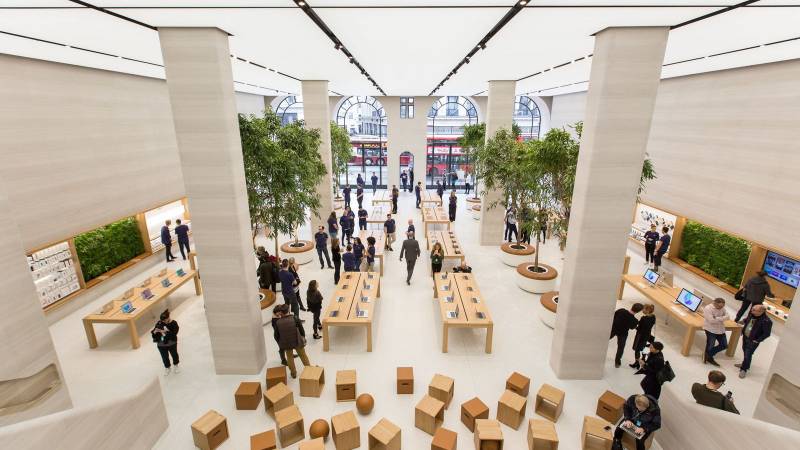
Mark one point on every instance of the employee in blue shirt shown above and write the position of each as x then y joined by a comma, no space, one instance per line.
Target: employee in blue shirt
349,260
362,218
287,288
650,239
321,239
389,229
182,231
166,239
344,223
661,247
358,252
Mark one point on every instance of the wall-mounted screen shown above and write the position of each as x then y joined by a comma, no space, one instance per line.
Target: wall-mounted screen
783,269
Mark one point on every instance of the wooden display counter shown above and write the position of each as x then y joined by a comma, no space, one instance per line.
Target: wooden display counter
665,298
384,196
434,219
377,217
380,243
113,309
430,199
453,253
467,308
357,292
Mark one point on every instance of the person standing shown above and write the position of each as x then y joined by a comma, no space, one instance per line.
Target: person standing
389,228
360,196
453,179
287,287
526,227
291,338
349,260
511,223
714,317
754,292
314,302
293,268
651,366
404,180
410,249
351,223
708,394
650,239
182,232
644,332
346,192
453,206
362,218
418,193
541,233
395,194
437,258
266,273
440,190
755,328
344,225
359,180
166,239
410,177
661,247
370,254
165,335
336,252
468,183
321,239
275,317
411,228
624,321
640,412
374,180
358,252
333,227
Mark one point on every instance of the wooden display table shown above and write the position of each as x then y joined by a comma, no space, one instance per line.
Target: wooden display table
434,219
348,300
377,217
142,306
382,197
430,199
380,243
464,292
453,253
693,321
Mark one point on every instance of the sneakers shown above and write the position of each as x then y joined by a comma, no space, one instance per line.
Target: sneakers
742,373
634,365
166,371
176,369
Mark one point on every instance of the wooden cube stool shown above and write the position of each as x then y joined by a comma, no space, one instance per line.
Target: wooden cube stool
290,425
405,380
248,395
314,444
511,409
429,414
471,410
609,406
444,439
594,435
630,444
210,430
346,431
442,388
276,375
488,435
518,384
263,441
542,435
346,386
384,436
277,397
311,381
549,402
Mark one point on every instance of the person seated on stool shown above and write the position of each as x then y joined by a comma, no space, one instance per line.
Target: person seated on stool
640,412
463,268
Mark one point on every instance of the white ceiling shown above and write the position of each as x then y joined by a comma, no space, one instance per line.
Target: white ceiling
408,46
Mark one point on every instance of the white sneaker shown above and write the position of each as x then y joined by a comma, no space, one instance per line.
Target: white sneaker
176,368
166,371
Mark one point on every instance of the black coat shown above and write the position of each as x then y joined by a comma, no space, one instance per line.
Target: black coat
644,332
624,321
756,289
314,301
266,274
762,327
649,419
652,366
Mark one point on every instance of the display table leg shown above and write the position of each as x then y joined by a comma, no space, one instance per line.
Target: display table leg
88,326
325,341
445,334
688,340
369,337
382,265
134,334
489,335
733,342
198,289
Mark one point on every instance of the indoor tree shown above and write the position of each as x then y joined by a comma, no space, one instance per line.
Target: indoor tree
471,141
341,154
282,169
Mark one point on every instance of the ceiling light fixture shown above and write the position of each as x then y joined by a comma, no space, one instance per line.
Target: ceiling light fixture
301,3
523,2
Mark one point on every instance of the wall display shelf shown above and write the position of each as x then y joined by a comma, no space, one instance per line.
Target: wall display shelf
54,273
645,216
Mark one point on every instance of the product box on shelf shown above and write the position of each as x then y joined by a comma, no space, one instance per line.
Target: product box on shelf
53,273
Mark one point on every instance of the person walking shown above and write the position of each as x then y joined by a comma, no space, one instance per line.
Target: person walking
314,302
389,228
370,254
336,253
650,239
541,233
274,321
641,414
453,179
644,332
374,180
526,225
291,338
651,366
404,180
321,240
624,321
395,194
287,287
346,191
708,394
333,226
411,228
358,252
165,335
410,249
418,193
754,292
410,177
511,222
714,317
360,196
661,247
294,268
440,190
453,206
349,260
362,218
266,273
468,183
182,232
166,239
755,328
437,257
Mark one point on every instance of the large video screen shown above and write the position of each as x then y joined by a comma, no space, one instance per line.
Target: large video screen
783,269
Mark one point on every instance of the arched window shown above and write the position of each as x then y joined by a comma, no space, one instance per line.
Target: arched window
364,119
527,117
290,109
446,120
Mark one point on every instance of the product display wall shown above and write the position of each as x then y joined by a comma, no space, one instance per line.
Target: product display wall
53,272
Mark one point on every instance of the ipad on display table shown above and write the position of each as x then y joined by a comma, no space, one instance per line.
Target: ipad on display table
689,300
651,276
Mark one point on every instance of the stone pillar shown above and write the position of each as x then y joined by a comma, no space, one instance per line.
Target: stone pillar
499,114
26,348
626,71
200,85
316,111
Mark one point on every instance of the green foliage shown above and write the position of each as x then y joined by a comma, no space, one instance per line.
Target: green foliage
107,247
474,137
282,168
341,151
714,252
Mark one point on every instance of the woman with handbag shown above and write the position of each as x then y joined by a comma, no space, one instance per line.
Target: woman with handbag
165,335
644,332
293,267
650,367
753,293
291,337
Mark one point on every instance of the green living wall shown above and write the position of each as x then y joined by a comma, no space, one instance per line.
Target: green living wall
716,253
107,247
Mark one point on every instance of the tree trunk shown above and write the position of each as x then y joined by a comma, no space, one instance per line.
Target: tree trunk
277,255
536,256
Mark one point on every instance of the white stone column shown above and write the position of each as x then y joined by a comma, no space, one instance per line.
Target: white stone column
499,114
626,71
200,84
316,112
26,347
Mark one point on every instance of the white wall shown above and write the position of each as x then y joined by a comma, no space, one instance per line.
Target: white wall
249,103
567,109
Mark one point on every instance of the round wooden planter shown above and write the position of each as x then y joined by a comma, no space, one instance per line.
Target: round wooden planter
538,283
301,251
549,305
476,211
472,202
515,256
266,298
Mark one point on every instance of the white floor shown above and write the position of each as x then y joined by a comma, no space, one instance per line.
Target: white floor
407,333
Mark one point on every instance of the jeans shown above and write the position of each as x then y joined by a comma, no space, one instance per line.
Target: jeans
467,188
639,442
333,234
183,245
720,339
170,257
621,340
374,188
657,260
166,352
749,347
512,228
419,200
347,201
320,252
348,233
301,351
410,268
648,252
362,224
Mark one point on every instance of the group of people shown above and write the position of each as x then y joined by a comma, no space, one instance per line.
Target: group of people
181,232
655,245
652,364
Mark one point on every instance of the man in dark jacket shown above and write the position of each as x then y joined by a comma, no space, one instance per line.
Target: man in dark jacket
411,251
291,337
287,287
708,394
755,328
418,192
410,178
360,196
641,415
266,273
346,192
374,179
182,232
395,194
166,239
321,240
755,290
624,321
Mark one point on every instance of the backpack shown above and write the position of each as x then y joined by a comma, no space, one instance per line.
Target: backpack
665,374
